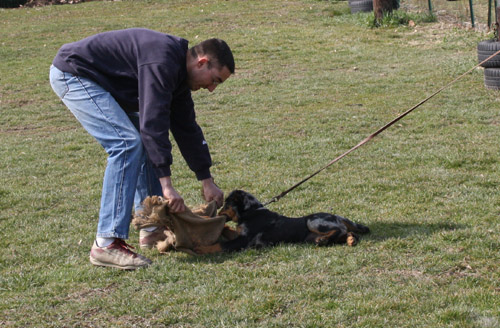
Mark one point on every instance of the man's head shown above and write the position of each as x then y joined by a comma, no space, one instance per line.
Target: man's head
209,63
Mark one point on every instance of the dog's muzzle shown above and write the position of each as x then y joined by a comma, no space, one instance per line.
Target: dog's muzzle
229,213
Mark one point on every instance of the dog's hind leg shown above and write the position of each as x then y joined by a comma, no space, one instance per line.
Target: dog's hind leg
330,237
352,239
338,237
326,238
311,237
352,226
332,230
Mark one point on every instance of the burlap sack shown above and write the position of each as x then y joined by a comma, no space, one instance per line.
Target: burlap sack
200,227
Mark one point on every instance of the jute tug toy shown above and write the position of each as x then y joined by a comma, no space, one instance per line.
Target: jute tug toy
185,230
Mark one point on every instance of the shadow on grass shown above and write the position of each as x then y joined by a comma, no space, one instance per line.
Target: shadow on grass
386,230
243,256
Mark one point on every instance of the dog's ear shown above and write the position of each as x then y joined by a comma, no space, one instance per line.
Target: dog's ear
250,202
236,197
242,201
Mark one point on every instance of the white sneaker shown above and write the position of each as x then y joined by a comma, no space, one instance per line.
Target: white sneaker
117,255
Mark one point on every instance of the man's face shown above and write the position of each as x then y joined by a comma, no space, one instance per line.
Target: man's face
206,76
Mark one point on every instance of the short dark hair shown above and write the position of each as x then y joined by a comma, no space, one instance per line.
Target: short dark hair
216,49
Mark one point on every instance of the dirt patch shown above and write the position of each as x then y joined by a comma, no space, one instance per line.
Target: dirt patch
91,293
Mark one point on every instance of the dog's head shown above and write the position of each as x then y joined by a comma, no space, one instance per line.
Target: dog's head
237,203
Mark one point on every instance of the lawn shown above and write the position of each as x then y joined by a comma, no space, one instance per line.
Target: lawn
311,82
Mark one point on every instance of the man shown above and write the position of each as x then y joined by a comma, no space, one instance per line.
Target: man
121,82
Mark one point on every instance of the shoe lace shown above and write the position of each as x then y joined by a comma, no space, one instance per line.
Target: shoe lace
124,247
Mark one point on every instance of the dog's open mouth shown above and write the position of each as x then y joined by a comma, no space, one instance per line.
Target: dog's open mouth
229,213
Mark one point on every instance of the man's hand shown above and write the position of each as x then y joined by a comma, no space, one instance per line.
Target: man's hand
212,192
175,201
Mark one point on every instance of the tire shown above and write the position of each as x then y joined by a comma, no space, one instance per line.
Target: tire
487,48
360,6
492,78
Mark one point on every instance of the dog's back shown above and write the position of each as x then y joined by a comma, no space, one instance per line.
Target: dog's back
274,227
323,222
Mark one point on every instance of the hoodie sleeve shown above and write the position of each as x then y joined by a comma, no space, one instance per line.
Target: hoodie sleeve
162,110
156,83
189,136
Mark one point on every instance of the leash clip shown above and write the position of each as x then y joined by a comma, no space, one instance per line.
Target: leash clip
273,200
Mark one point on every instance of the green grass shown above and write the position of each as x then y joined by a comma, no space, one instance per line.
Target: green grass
311,82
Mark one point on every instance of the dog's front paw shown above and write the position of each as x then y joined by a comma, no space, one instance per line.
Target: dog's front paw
215,248
229,233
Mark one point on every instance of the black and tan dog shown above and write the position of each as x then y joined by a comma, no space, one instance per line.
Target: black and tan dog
260,227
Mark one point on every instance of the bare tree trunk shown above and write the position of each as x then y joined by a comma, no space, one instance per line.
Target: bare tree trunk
380,7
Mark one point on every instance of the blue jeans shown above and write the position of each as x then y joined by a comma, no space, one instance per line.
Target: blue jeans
129,176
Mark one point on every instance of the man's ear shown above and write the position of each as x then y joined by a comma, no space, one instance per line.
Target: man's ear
202,61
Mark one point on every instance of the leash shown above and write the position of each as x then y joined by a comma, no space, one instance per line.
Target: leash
373,135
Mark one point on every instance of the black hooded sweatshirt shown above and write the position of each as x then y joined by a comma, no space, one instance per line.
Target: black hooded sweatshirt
145,71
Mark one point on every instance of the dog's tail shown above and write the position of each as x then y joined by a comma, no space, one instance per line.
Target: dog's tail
355,227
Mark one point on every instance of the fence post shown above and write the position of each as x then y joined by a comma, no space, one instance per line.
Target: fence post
496,18
430,6
497,23
471,13
489,14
